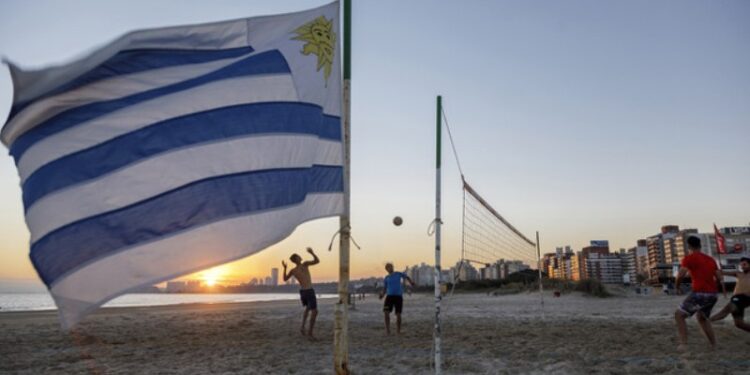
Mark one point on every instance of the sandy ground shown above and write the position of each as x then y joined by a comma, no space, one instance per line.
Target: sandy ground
481,334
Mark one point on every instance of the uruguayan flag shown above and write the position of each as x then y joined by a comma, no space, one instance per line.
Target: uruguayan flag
176,149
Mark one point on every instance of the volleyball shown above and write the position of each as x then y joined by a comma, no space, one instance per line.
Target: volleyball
397,221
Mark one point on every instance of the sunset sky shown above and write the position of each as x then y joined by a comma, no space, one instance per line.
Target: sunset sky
580,119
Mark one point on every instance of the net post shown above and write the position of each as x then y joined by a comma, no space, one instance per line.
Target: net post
436,333
341,318
463,224
539,267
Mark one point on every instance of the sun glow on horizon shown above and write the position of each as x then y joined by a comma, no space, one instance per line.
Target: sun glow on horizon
212,276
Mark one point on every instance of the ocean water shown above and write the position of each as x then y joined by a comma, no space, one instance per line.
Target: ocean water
43,301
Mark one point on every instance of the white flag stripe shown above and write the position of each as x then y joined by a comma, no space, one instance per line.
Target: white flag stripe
219,35
218,94
165,172
106,89
187,252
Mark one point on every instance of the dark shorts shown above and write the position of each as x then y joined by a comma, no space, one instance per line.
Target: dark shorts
307,296
740,302
696,301
393,301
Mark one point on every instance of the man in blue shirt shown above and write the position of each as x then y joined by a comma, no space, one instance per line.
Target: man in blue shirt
393,296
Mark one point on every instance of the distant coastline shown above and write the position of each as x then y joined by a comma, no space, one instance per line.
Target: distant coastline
26,302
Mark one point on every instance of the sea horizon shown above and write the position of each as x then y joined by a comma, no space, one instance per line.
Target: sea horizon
42,301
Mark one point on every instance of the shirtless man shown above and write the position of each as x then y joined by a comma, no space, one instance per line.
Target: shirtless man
741,297
301,272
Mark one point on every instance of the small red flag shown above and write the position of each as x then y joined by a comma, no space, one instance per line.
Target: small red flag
720,241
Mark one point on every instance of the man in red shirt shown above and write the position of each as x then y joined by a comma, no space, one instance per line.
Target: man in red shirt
705,276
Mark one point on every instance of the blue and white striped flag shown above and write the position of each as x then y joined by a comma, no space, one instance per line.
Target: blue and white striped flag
173,150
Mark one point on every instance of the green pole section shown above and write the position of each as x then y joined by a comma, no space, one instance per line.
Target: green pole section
347,39
439,129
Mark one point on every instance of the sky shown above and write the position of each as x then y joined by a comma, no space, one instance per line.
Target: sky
579,119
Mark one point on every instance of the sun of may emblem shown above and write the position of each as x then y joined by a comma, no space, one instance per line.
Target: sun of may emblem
320,38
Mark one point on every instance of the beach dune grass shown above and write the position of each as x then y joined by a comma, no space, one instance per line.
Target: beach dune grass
526,283
592,287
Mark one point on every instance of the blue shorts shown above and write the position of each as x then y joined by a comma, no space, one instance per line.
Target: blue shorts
696,301
307,296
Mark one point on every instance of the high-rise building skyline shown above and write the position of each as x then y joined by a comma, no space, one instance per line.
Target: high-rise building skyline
654,259
274,276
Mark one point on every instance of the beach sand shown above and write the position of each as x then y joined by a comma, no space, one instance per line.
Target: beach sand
481,334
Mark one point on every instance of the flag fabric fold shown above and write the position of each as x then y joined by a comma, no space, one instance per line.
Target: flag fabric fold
176,149
721,246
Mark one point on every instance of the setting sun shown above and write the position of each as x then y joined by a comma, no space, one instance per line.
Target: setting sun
211,276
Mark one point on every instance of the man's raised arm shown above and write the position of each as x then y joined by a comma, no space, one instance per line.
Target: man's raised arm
315,257
286,276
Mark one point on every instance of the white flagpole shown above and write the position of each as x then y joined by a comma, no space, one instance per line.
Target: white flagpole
341,318
438,297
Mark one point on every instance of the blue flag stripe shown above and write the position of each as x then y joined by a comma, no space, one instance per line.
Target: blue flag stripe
136,61
172,170
227,122
200,203
271,62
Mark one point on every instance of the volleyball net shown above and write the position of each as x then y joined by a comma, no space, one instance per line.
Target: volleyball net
491,243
